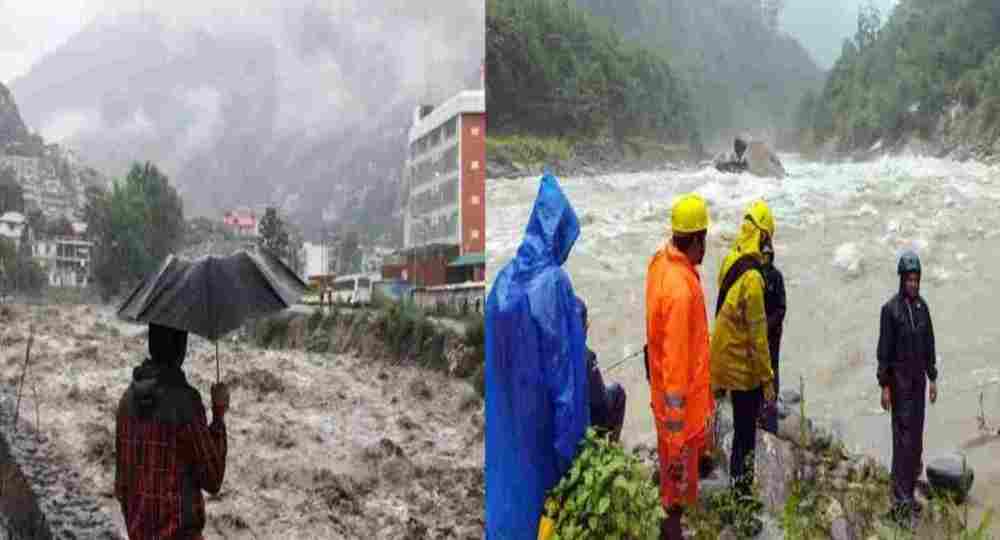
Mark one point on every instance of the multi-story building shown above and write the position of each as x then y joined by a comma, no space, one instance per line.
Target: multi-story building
65,259
444,184
11,226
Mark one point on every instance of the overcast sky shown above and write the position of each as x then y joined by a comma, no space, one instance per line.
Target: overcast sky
31,28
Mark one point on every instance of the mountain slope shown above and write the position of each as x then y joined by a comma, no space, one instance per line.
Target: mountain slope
931,71
52,178
742,73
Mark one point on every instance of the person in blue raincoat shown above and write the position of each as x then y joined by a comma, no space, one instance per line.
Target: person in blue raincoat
537,406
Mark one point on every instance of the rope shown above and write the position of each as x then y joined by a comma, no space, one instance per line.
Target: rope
619,363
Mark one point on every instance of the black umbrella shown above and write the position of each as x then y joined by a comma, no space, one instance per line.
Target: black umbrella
213,296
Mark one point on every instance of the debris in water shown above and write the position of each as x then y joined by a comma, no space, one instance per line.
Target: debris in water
847,258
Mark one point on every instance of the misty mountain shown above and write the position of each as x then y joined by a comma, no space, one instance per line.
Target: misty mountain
51,178
743,72
306,108
822,26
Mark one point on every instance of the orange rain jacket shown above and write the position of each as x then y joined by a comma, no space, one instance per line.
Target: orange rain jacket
678,342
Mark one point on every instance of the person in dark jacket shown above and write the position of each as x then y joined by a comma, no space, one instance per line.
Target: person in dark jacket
166,453
607,403
906,361
774,308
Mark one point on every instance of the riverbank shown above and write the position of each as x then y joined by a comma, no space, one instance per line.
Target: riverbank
525,155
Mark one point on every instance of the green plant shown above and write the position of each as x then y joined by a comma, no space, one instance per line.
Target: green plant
606,494
315,320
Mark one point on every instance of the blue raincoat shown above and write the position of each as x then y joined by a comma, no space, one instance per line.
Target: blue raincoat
537,405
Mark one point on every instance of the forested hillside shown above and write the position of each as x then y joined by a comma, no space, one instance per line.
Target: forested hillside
898,79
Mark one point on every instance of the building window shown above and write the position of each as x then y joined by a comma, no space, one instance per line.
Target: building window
474,131
474,165
475,234
475,200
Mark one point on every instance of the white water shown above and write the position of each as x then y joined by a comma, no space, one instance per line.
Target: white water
840,228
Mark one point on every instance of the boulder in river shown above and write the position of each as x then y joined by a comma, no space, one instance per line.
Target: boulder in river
762,161
950,474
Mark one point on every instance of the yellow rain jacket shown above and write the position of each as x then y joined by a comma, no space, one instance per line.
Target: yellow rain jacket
740,356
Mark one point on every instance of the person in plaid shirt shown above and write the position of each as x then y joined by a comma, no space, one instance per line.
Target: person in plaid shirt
166,452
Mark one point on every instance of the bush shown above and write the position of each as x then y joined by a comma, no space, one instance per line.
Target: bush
272,331
606,494
526,149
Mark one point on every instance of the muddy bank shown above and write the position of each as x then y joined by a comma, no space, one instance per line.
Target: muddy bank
599,158
321,444
811,486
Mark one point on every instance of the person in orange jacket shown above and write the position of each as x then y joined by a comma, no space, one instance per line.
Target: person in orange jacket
678,356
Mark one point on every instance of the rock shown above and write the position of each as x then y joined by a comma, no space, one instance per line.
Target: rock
775,469
789,428
783,410
951,474
834,511
840,529
847,258
790,397
469,399
762,161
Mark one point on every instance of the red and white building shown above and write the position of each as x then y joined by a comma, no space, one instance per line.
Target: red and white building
241,221
444,226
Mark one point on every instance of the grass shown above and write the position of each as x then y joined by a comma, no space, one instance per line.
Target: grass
813,502
649,149
528,150
407,333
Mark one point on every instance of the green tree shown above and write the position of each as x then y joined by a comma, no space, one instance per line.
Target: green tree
135,226
273,234
28,276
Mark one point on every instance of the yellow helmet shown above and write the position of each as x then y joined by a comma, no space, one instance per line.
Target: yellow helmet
761,216
689,214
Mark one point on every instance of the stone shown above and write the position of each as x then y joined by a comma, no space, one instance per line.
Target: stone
783,411
848,259
790,397
840,529
789,428
951,475
762,161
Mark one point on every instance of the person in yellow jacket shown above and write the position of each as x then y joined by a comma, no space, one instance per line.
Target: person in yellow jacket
741,362
677,348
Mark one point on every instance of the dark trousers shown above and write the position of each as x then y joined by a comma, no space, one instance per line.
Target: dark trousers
908,403
746,411
670,528
616,410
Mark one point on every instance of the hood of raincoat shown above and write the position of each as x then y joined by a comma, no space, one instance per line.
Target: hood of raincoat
537,400
552,229
747,243
167,348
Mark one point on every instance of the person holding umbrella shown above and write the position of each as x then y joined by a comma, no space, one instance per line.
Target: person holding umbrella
166,452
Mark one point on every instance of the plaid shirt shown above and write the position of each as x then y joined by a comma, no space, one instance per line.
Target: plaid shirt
164,461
